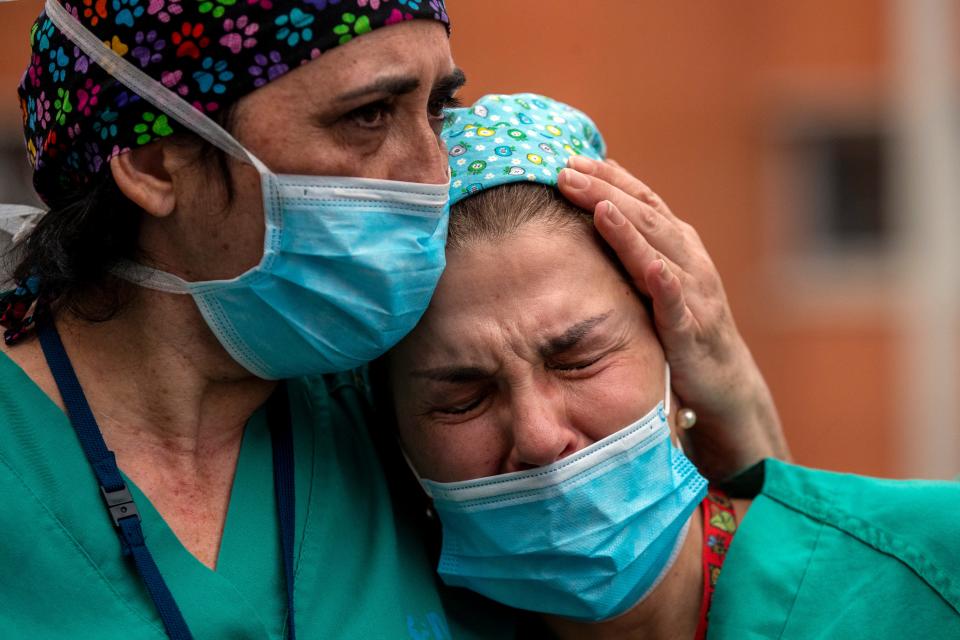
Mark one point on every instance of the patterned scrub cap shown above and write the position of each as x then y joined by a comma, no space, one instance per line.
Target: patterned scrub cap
522,137
76,117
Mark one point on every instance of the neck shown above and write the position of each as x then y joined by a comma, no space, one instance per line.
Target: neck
671,610
170,402
156,373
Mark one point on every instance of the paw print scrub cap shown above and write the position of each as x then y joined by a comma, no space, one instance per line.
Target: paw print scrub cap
76,116
522,137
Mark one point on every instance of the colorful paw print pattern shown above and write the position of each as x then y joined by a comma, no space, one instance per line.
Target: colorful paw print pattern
515,138
76,117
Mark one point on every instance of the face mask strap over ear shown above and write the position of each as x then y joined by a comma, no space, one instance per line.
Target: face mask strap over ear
666,391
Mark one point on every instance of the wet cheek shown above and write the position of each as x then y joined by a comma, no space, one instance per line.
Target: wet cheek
467,455
605,404
479,457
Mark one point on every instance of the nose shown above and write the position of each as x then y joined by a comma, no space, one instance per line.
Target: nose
422,157
541,434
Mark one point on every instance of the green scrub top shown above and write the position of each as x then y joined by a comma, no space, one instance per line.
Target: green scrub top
360,572
831,555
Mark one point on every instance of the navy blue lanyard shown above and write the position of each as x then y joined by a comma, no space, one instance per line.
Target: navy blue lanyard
120,503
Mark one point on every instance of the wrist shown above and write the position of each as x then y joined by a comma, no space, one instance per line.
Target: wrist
725,443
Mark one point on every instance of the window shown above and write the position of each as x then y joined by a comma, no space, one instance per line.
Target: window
843,207
835,231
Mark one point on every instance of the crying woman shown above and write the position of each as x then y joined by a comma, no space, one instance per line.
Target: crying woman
533,403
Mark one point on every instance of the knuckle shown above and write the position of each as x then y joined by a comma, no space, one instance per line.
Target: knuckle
683,322
688,230
649,219
644,193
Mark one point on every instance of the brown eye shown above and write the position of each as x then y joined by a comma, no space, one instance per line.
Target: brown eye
437,110
439,104
370,116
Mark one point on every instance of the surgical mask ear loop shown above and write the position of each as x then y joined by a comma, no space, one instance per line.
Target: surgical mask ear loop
430,513
666,391
413,469
686,417
141,84
166,101
666,407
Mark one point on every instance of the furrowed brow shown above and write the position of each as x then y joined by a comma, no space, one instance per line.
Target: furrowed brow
453,374
572,336
387,85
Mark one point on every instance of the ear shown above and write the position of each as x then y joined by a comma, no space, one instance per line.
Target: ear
142,175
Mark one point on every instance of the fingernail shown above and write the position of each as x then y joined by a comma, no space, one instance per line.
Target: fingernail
613,214
579,163
662,268
575,179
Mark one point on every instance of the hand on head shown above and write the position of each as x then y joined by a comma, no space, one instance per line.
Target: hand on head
713,371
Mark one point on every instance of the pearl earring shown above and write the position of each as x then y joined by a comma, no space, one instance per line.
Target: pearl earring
686,418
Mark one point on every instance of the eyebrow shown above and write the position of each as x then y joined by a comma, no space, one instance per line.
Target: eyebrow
401,85
556,345
453,375
569,338
450,82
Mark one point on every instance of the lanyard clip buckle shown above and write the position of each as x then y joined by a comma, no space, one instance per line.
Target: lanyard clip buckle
120,504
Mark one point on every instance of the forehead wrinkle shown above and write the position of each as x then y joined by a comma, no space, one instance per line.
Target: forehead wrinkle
572,335
392,85
453,374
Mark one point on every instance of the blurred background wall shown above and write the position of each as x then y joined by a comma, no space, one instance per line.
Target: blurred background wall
816,147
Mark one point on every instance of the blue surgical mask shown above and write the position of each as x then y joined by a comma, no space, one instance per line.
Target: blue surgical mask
348,267
587,537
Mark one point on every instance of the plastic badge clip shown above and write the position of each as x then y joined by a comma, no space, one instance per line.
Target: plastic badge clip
120,504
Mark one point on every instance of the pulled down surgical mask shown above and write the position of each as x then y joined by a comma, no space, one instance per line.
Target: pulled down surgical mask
348,267
587,537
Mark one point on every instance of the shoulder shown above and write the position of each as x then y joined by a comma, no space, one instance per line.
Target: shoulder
28,414
332,413
833,555
24,370
332,402
913,521
922,510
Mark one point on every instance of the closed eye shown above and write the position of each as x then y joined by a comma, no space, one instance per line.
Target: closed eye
575,366
461,409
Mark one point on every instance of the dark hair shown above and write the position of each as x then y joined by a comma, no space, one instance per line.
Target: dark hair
497,213
88,230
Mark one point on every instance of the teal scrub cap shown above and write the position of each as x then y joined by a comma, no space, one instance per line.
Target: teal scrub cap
523,137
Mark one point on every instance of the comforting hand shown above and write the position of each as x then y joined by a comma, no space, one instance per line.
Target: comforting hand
712,370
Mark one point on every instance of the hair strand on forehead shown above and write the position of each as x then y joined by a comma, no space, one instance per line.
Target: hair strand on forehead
495,214
499,212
